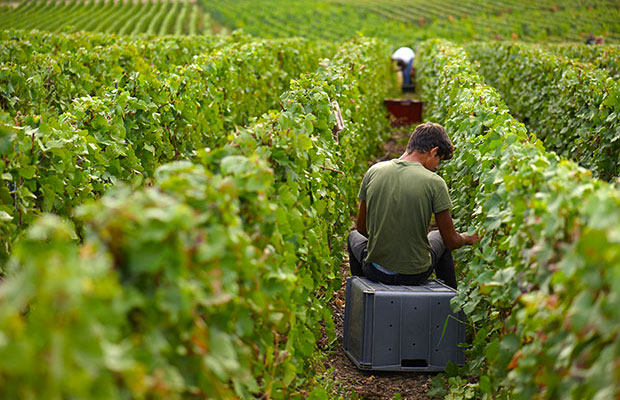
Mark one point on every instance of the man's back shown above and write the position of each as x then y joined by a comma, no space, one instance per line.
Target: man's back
401,196
390,243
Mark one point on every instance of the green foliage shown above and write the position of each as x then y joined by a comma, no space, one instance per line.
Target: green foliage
116,16
406,22
213,281
541,289
208,275
41,73
73,301
572,107
399,21
606,57
54,163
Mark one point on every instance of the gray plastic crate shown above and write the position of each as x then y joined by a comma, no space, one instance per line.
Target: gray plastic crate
399,328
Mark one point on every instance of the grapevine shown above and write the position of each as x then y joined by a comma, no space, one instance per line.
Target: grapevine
175,198
534,286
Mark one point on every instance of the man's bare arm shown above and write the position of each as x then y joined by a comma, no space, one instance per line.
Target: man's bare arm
361,219
451,238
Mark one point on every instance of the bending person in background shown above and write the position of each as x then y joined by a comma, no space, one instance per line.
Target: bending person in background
392,244
404,57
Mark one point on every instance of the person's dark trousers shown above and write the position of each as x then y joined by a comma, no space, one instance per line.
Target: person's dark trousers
407,74
441,262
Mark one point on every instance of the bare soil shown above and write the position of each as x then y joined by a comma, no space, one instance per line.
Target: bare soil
375,385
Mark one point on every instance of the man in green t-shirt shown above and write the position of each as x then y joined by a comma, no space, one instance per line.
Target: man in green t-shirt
392,244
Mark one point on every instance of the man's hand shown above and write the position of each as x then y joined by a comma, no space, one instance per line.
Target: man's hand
451,238
470,239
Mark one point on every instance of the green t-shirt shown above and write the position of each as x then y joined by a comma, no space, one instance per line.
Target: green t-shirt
400,198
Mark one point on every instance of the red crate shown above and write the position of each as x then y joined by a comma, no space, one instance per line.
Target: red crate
404,111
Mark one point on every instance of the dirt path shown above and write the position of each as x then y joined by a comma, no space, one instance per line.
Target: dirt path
356,383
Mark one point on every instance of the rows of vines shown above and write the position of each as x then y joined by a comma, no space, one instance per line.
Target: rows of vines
156,17
174,204
399,21
541,293
75,138
402,21
573,107
212,281
603,57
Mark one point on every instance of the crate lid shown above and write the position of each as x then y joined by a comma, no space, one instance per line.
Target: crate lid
432,285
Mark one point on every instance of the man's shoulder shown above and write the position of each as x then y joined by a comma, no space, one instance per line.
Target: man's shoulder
436,179
381,165
430,178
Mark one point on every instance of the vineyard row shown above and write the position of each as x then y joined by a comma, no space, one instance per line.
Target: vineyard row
541,291
157,17
398,21
55,162
409,22
572,107
603,57
41,73
214,281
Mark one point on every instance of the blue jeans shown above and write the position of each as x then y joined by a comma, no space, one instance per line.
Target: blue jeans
441,262
407,73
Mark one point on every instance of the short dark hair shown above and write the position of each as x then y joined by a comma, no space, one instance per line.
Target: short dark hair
429,135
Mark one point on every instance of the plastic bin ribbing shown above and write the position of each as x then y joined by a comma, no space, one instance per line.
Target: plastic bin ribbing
399,328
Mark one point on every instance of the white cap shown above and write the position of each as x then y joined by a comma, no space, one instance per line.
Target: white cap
404,54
